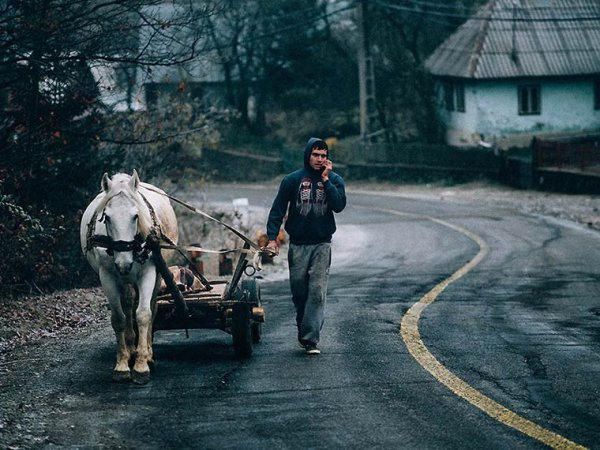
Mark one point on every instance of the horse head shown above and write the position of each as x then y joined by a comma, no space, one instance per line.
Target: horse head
123,215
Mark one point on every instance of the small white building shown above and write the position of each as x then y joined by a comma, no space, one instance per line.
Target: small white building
183,40
519,69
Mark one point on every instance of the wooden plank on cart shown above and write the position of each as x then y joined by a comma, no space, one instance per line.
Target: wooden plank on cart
216,294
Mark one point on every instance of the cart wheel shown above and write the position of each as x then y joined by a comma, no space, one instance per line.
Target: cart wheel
252,287
256,331
241,329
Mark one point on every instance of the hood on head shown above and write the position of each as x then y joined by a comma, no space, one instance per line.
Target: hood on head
313,142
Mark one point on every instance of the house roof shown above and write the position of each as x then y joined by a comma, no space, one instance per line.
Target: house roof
523,38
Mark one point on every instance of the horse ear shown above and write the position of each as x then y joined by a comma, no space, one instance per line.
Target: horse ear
105,182
135,181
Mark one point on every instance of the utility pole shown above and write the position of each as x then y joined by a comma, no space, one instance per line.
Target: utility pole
369,122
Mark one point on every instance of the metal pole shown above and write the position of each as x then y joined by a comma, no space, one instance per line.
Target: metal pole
369,120
362,66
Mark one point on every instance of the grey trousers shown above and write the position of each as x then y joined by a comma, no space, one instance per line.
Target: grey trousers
309,273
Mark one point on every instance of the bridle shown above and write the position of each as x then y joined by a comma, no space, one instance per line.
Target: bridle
139,244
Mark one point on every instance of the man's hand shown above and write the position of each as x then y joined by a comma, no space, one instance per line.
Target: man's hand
328,168
273,248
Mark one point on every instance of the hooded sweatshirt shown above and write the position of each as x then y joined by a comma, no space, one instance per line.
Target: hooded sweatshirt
308,202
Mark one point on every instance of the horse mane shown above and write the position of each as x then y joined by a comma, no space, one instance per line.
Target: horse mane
120,186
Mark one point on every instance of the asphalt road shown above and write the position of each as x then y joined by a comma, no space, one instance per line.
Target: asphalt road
506,353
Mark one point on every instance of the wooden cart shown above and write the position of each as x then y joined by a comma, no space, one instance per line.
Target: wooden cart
233,306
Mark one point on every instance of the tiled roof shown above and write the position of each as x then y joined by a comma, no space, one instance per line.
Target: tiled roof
523,38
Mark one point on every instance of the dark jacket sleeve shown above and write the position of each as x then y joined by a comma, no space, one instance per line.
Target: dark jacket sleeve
336,193
278,210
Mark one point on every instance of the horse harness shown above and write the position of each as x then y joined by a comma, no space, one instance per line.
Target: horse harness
140,247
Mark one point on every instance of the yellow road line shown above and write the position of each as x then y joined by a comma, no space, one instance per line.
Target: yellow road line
409,329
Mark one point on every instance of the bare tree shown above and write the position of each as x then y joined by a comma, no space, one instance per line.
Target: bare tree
403,34
260,46
54,117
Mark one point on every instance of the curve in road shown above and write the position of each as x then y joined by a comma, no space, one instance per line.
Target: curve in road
409,331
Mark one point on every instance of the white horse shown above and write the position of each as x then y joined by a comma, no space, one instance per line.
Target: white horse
114,228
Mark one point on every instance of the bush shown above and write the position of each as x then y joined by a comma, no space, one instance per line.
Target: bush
50,169
22,239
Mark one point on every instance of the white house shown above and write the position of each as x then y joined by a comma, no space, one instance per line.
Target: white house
172,54
519,69
185,39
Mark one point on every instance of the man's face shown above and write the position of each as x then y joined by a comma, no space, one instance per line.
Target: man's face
317,158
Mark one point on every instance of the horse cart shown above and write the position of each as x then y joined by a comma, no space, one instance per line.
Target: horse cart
127,224
233,306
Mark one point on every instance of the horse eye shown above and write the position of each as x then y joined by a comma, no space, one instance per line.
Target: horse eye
106,219
135,217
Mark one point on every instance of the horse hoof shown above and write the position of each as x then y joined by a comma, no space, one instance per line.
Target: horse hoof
141,377
121,376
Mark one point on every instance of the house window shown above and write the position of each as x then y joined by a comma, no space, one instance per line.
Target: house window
529,99
459,95
597,94
454,96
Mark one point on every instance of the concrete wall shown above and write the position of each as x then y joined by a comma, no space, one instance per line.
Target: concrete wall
491,112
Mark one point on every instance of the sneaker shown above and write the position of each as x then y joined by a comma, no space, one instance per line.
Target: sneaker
312,349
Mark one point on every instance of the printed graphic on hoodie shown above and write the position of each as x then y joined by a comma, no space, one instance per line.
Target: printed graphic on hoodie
305,201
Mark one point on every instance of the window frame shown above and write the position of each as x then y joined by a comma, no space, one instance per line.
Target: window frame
454,96
529,99
459,96
448,96
596,94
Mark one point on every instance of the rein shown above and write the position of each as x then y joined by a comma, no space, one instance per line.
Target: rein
250,248
238,233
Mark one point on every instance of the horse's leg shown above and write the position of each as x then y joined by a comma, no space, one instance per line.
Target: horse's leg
113,294
151,327
146,286
127,300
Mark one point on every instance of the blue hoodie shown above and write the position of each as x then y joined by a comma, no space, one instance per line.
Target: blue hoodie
308,202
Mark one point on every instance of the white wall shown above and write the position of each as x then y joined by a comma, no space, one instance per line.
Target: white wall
491,112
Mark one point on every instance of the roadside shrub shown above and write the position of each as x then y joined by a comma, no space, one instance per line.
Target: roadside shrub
50,169
22,239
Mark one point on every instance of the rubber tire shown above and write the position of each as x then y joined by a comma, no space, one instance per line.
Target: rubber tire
252,287
241,329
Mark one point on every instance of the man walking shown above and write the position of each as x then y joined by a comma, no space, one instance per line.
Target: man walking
309,196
